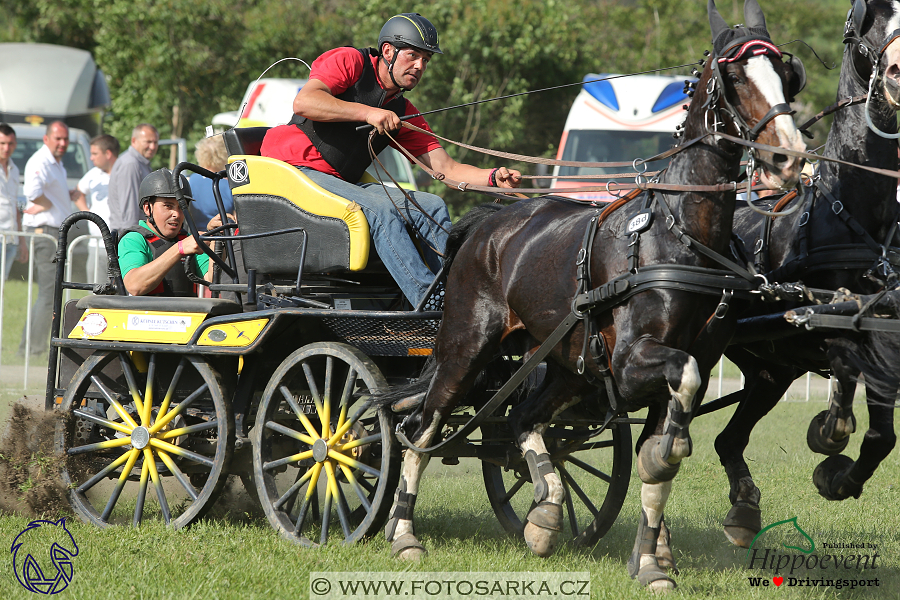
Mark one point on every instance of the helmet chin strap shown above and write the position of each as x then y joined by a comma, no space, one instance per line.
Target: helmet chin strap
156,227
391,68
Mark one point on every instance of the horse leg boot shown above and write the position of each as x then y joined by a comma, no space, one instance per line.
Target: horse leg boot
829,431
399,529
544,522
643,564
839,477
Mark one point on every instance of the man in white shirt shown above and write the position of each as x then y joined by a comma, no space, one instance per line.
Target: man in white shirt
49,201
10,218
95,187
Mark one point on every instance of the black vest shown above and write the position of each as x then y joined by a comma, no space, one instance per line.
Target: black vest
176,282
341,146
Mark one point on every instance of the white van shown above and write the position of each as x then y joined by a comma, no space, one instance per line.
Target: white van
614,120
269,102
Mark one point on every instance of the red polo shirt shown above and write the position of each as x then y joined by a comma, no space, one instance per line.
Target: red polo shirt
339,69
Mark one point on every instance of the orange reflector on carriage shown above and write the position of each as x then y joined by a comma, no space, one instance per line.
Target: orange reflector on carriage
419,351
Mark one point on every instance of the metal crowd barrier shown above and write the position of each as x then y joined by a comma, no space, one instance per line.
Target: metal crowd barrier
5,236
84,239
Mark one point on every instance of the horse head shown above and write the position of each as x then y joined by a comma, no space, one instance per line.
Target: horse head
742,91
872,32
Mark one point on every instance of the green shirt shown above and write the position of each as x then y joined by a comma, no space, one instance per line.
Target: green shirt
134,252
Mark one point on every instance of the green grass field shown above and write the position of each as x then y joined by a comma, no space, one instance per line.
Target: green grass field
243,558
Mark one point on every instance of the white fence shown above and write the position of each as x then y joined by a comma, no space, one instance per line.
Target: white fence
85,239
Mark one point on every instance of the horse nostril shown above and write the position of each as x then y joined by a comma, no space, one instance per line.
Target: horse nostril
893,72
780,160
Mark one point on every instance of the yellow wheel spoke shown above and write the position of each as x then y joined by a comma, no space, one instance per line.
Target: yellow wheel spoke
313,480
332,479
287,460
132,458
148,392
164,407
350,462
106,445
314,391
173,449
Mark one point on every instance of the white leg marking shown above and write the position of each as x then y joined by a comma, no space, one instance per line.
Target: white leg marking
690,383
532,440
414,464
653,501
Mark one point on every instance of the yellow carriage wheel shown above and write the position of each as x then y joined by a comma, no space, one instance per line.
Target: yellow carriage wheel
325,462
150,444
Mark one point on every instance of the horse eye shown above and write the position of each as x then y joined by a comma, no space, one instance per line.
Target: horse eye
733,78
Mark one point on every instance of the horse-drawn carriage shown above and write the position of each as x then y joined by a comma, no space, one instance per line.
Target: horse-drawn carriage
287,386
174,394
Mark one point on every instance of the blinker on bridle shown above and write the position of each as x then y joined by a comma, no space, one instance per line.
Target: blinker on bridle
853,35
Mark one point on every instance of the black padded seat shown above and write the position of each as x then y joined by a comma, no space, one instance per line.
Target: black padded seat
244,140
212,307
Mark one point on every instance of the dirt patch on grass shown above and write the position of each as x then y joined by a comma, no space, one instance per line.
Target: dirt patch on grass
29,467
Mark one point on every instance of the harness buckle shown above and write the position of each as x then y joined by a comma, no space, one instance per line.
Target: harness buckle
758,247
461,186
670,221
634,239
722,308
837,207
582,255
804,219
579,365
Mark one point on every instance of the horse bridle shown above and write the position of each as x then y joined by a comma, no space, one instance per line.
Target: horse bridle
715,90
853,35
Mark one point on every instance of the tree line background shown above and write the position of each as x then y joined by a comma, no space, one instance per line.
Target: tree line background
176,63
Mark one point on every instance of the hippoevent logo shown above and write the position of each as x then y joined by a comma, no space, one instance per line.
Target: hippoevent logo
42,557
837,565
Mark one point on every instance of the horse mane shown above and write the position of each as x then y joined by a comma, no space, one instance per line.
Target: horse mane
463,229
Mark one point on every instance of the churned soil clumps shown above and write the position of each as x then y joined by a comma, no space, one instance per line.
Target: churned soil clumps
30,484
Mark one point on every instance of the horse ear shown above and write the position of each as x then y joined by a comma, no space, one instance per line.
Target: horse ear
753,14
716,23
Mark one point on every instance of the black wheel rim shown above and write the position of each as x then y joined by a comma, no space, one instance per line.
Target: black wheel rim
595,474
324,483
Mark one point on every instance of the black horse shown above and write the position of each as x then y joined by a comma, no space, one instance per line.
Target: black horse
833,241
515,277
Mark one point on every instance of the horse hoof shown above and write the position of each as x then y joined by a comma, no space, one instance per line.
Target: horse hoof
742,523
541,541
651,466
407,547
818,441
829,475
655,579
542,528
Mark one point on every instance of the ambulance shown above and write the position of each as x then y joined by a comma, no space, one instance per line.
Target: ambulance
619,119
269,102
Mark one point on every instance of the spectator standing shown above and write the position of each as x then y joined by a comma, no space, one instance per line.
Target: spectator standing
10,217
212,156
95,187
49,201
126,176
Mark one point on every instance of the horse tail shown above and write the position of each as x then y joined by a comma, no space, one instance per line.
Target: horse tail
463,229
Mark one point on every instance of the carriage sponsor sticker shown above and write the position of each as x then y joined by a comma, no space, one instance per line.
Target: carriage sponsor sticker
238,173
163,323
800,562
43,557
93,324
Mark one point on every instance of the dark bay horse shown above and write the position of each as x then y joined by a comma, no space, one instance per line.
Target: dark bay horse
515,278
832,242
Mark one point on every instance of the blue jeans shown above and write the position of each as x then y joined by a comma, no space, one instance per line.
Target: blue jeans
394,245
12,251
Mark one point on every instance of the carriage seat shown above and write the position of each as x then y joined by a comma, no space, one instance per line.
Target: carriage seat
270,194
212,307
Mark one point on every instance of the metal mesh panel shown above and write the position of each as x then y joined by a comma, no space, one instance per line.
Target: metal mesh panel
386,336
435,300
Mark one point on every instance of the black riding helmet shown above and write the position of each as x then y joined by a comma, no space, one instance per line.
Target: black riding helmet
160,183
408,30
